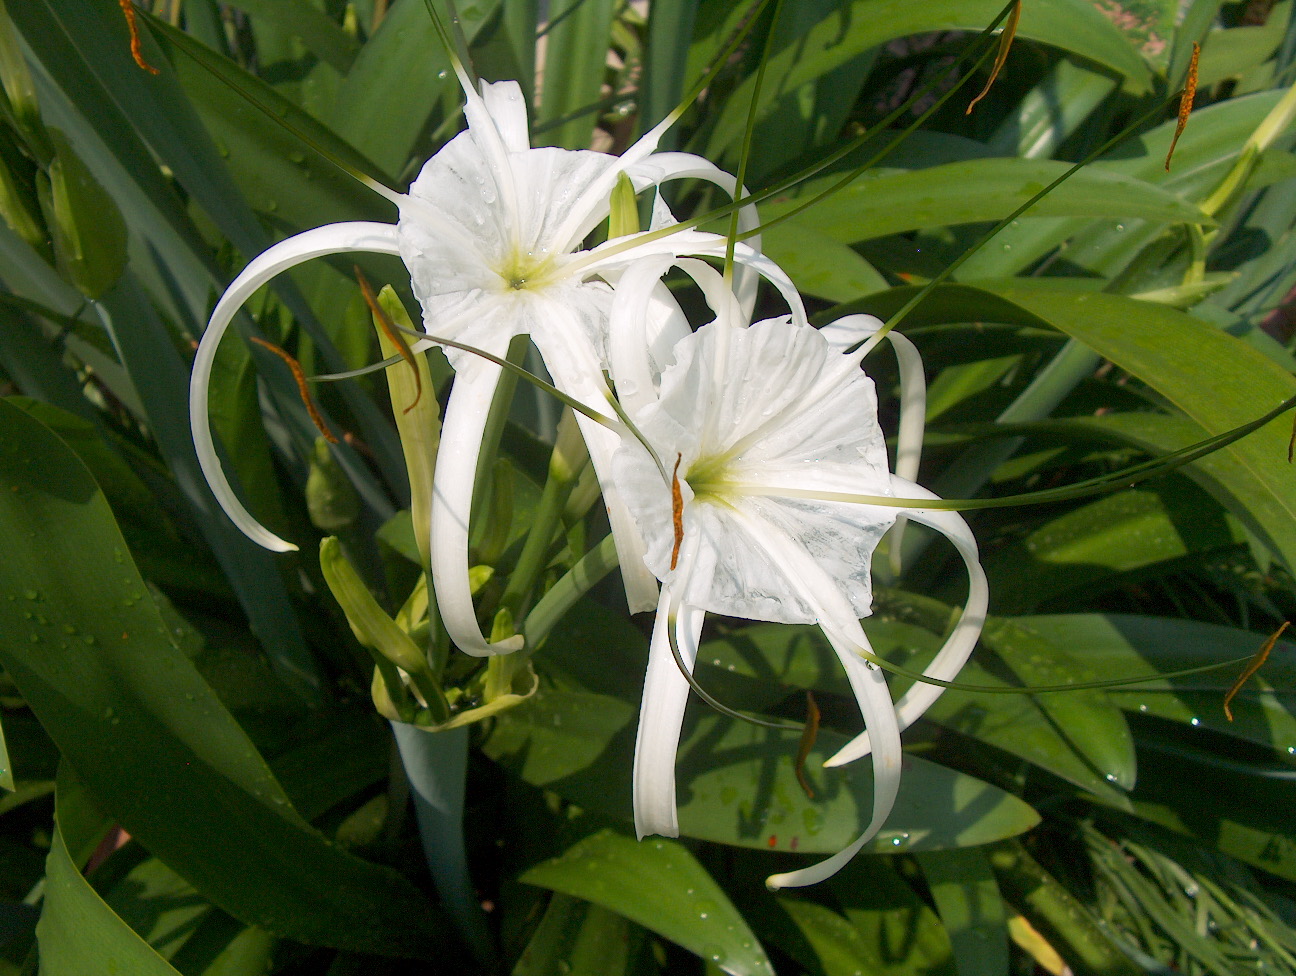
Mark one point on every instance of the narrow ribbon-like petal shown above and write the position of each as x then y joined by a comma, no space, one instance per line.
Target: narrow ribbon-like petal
840,626
576,370
456,469
330,239
958,647
665,697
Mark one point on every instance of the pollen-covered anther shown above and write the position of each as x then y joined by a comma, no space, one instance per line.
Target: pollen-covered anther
302,389
137,52
677,512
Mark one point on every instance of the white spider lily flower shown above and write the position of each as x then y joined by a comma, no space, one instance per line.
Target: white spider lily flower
760,438
490,233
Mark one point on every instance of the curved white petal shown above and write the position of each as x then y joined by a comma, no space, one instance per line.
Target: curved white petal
614,255
661,714
330,239
592,203
661,167
452,491
958,647
574,365
840,626
629,349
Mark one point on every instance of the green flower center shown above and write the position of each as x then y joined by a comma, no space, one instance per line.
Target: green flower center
525,269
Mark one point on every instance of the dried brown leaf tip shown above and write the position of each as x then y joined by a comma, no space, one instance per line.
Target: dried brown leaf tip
137,52
393,335
302,389
1254,665
1185,102
1005,42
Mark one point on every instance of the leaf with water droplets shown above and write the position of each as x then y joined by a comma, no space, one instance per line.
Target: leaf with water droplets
660,885
148,735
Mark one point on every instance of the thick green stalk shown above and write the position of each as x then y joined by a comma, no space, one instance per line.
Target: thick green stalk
566,462
563,595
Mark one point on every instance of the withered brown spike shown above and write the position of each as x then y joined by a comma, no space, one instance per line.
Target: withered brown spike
302,389
1291,444
1254,665
677,511
1185,102
392,333
1005,42
137,52
808,736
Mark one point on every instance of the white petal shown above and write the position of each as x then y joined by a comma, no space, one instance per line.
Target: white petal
958,647
330,239
576,370
452,490
591,204
508,110
611,256
886,770
843,631
660,167
661,715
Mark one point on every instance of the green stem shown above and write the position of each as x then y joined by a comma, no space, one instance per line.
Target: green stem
495,421
563,595
547,518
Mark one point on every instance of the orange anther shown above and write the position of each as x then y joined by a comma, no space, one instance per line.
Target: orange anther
1185,102
1254,665
137,52
393,335
677,511
303,390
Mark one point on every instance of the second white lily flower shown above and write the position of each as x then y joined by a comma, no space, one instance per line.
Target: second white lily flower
760,437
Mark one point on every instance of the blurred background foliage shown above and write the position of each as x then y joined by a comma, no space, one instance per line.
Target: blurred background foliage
197,712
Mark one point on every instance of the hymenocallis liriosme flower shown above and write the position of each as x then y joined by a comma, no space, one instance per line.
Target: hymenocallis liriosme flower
491,233
765,447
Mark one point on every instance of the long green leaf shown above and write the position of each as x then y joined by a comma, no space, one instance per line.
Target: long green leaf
581,745
659,884
883,202
89,652
78,932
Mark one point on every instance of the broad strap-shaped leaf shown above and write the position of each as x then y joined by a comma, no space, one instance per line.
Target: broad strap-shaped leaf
1220,382
852,28
882,202
78,933
580,746
1125,645
967,898
89,651
659,884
